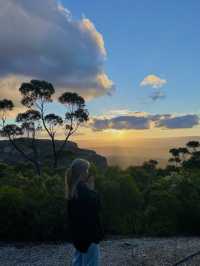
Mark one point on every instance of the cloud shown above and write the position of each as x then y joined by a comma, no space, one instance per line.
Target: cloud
40,39
9,88
142,121
119,112
122,122
127,120
185,121
153,81
157,95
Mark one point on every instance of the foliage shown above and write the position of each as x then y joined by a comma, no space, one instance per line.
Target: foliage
36,96
140,200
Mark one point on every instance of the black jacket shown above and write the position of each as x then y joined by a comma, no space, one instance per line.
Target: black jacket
85,225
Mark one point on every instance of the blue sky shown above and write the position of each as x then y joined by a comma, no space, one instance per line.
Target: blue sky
147,50
147,37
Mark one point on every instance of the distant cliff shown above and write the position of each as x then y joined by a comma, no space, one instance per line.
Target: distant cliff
10,155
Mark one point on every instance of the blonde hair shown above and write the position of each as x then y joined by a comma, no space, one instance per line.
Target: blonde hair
77,171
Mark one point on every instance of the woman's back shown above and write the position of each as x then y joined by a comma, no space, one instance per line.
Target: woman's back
84,218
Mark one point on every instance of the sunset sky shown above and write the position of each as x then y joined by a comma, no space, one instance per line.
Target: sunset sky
137,63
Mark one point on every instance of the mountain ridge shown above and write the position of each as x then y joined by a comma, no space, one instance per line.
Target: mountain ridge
10,155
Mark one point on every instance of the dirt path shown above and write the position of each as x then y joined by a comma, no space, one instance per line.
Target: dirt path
121,252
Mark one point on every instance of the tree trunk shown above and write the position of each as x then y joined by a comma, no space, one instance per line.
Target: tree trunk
34,162
37,168
35,151
55,157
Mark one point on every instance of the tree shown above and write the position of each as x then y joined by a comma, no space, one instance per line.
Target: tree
27,125
52,122
193,145
38,94
13,132
5,106
75,115
151,164
30,125
179,155
176,156
183,151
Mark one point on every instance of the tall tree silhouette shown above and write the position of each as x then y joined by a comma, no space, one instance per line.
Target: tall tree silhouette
5,106
175,156
38,94
75,115
184,152
30,125
193,145
52,122
27,127
13,131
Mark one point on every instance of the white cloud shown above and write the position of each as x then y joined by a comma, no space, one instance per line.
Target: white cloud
153,81
40,39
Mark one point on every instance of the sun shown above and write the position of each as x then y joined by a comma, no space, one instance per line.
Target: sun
116,134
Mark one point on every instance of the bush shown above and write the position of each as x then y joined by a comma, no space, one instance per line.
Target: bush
138,200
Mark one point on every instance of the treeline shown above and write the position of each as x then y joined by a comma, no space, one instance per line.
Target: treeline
140,200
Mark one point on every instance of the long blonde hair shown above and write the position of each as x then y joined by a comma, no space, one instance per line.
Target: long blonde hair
77,171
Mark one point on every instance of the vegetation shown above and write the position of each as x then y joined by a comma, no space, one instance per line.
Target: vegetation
140,200
36,97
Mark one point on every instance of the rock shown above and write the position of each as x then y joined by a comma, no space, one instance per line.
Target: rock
10,155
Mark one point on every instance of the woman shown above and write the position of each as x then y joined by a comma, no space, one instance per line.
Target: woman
84,208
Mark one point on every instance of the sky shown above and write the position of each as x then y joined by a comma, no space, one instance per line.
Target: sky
148,37
135,62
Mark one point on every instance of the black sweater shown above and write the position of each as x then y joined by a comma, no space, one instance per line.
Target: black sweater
84,218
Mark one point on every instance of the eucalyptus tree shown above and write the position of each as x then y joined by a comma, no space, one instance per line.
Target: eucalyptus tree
52,124
175,152
184,152
29,122
5,107
38,94
15,131
194,145
75,114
